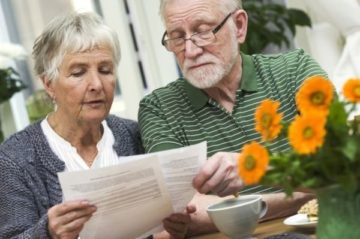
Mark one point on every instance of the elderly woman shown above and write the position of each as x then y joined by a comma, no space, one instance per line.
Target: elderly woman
76,57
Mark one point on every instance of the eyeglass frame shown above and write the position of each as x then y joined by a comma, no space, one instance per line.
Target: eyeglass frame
214,31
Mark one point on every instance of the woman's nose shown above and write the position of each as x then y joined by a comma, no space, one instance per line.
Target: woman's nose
95,82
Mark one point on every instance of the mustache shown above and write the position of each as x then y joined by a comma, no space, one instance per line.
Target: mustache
188,63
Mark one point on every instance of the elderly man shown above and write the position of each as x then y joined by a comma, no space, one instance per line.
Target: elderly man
216,99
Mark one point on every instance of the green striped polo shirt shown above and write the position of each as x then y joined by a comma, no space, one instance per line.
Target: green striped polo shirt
179,114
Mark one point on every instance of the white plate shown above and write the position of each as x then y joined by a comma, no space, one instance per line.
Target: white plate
300,220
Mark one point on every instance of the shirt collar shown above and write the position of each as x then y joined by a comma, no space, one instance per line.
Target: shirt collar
198,98
248,78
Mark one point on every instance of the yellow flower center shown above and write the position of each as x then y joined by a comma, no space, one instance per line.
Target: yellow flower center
357,91
266,120
250,162
308,132
317,98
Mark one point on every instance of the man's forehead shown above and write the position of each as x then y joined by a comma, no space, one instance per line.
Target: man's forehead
173,6
191,18
198,12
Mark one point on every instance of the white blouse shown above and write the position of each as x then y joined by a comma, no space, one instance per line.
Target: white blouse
73,162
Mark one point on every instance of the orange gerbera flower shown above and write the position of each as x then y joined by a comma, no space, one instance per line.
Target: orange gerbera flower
252,163
267,120
351,90
315,95
307,132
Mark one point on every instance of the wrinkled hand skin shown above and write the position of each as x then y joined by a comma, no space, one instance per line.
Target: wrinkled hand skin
177,224
67,219
219,175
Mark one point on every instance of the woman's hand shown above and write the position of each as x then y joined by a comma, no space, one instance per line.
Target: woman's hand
177,224
67,219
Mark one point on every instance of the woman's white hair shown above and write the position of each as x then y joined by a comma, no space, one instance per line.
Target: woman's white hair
225,5
74,32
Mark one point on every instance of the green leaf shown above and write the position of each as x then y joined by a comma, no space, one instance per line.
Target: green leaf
299,17
267,23
290,25
337,119
310,183
350,148
10,83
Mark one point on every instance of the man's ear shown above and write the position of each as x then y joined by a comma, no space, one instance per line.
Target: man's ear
48,86
241,22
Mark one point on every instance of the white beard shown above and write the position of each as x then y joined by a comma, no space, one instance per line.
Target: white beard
209,75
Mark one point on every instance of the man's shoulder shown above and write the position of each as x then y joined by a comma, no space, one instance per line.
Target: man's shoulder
289,55
291,61
168,92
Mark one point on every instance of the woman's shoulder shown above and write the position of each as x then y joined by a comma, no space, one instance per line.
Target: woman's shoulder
23,137
20,145
127,135
174,91
122,127
118,122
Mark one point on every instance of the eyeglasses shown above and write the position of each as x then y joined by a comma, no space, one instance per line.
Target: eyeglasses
200,39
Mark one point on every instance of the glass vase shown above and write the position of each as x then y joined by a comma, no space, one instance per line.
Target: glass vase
339,214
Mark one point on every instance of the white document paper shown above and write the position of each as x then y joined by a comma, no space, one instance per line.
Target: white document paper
133,197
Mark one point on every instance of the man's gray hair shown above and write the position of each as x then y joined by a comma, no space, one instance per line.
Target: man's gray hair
71,33
225,6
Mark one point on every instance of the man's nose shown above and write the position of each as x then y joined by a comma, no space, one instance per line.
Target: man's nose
191,49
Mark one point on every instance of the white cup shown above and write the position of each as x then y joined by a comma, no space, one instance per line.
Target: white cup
238,217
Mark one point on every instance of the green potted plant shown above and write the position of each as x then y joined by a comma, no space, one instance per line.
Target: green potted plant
10,82
270,23
323,155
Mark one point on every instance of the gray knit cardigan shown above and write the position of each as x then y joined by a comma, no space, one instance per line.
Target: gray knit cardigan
29,185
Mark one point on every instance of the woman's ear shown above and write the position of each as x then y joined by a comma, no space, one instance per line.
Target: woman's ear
241,22
48,86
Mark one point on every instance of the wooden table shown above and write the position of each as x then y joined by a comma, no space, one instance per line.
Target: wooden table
265,229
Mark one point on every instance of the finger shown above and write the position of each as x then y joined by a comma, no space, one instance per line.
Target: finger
78,213
219,179
75,226
175,229
57,223
66,207
174,234
232,188
225,180
181,218
70,230
231,183
190,208
205,173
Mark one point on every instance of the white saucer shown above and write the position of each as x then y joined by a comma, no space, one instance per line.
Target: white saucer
300,220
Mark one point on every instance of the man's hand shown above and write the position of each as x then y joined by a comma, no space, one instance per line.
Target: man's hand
67,219
219,175
177,224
